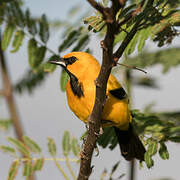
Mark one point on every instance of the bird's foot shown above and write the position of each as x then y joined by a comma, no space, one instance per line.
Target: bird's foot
100,132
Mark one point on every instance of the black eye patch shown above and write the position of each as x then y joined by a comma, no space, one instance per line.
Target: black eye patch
70,60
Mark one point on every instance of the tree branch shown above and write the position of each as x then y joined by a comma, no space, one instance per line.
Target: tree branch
97,6
126,41
94,119
101,84
8,94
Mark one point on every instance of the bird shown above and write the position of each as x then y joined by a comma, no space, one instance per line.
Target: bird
83,70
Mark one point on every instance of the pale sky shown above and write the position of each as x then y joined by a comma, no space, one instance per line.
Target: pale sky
45,113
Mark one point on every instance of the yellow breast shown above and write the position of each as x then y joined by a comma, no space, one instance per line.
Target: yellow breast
115,110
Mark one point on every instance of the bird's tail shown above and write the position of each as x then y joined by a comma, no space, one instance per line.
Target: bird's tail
130,144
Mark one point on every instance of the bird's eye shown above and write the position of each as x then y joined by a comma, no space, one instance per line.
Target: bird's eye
70,60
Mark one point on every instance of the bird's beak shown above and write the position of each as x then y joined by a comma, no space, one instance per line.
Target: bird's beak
60,62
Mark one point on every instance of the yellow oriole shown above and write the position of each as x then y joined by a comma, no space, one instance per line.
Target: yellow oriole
83,70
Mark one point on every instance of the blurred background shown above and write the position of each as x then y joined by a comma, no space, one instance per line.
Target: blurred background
45,112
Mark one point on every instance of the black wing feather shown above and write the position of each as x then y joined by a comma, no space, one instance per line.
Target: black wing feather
119,93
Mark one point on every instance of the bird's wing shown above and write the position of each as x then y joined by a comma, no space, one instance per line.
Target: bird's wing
119,93
115,88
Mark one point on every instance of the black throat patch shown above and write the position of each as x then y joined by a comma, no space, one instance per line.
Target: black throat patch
76,86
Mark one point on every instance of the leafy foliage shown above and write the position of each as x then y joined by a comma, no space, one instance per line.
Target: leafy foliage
30,148
154,128
168,58
29,81
5,124
20,24
158,22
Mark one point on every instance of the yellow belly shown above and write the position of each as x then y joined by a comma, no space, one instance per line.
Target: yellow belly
115,113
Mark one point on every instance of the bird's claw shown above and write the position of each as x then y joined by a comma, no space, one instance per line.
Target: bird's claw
100,132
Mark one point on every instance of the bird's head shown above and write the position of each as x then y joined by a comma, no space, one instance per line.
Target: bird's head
78,63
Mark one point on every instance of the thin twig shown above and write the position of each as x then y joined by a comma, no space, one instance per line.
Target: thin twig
70,168
60,169
126,41
96,6
132,67
46,159
39,42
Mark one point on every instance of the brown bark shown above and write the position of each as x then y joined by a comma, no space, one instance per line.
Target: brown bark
8,94
101,83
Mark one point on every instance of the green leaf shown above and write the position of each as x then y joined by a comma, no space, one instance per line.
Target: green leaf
40,54
119,37
17,42
174,139
31,24
5,124
44,29
30,80
105,2
63,80
126,10
17,13
145,81
152,148
83,136
9,150
75,147
32,49
95,23
66,146
163,152
38,164
28,168
168,58
7,35
89,19
131,46
148,159
48,67
20,146
99,27
35,54
144,34
83,41
52,147
108,138
32,145
114,168
13,170
71,38
174,130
